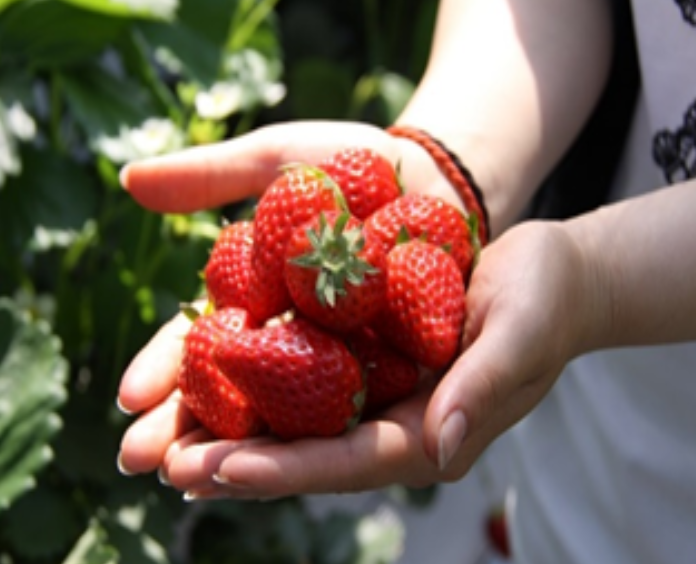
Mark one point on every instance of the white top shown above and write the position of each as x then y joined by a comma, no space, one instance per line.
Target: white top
605,467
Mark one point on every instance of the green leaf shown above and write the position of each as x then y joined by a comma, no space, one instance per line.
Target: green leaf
159,10
335,539
92,548
32,388
183,50
381,96
48,205
5,3
208,18
42,524
319,89
51,33
97,100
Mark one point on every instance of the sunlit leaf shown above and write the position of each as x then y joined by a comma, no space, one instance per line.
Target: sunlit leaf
155,9
92,548
32,387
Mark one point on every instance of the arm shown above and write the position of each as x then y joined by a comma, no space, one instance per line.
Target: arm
508,87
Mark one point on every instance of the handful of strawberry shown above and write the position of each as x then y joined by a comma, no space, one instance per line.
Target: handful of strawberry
329,304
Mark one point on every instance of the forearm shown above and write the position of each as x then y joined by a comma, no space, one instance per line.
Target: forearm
508,87
640,268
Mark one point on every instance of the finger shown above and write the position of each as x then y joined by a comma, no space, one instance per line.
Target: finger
212,175
191,462
147,440
373,455
153,373
493,384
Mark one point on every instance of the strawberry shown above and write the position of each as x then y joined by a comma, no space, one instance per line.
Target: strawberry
368,180
208,393
227,271
298,195
302,380
389,375
335,276
497,532
425,303
432,218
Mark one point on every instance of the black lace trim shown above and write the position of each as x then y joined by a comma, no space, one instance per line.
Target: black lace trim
688,10
674,151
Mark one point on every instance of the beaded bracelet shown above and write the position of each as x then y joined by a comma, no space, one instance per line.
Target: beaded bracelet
453,169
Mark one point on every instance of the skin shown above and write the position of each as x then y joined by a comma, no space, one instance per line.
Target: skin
598,270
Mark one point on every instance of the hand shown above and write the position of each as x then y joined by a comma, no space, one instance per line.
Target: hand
210,176
526,317
214,175
526,312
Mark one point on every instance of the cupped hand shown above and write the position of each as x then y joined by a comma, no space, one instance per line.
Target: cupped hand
529,305
526,315
210,176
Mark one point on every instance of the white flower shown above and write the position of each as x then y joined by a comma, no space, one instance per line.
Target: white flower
20,122
221,101
273,93
155,136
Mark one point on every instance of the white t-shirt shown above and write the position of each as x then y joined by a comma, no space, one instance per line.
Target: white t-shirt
605,467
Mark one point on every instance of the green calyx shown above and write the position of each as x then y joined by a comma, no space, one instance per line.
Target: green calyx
359,404
335,255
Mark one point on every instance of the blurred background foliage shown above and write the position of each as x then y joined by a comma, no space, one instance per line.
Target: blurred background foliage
86,276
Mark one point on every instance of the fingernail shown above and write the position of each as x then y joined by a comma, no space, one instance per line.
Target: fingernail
122,409
452,434
236,489
191,496
162,477
240,491
121,468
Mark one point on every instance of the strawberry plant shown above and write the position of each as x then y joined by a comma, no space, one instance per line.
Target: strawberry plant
87,276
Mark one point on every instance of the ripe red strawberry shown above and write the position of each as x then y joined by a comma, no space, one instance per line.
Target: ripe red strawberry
212,398
334,274
426,216
302,380
368,180
497,532
298,195
389,375
425,303
227,270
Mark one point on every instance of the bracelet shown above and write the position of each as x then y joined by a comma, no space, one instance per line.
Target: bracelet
454,170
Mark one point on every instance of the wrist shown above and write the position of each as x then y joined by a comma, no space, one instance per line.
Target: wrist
596,307
458,176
